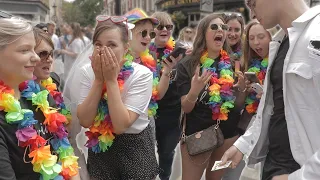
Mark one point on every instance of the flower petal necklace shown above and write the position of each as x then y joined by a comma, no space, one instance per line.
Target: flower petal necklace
57,96
101,134
220,89
50,166
260,68
149,62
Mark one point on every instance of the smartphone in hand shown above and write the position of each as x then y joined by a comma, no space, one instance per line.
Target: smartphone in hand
175,53
252,77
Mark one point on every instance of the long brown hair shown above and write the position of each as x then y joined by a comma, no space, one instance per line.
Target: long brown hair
76,32
239,18
200,43
248,52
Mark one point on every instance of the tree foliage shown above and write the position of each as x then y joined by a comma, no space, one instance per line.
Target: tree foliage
82,11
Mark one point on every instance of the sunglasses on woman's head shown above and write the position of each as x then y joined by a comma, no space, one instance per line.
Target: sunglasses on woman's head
215,27
44,55
144,34
168,27
114,19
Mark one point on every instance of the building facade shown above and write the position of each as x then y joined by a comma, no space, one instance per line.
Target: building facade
126,5
194,10
35,11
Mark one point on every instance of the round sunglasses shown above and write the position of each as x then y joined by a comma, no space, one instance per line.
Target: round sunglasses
215,27
144,34
168,27
44,55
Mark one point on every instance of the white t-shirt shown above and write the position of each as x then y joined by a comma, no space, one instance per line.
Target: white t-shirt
56,41
77,46
136,93
86,40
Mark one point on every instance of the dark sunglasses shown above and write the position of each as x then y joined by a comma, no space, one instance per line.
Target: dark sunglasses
168,27
215,27
44,55
144,34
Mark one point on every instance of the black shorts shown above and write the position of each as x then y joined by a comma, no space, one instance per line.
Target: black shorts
131,157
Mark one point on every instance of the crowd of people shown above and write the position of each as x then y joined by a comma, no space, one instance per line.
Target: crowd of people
226,91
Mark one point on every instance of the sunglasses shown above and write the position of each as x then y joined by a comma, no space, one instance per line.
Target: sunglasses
144,34
44,55
215,27
114,19
168,27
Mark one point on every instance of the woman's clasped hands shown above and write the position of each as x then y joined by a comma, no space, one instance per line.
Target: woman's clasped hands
105,65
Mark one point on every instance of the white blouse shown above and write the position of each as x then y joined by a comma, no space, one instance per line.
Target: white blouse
136,93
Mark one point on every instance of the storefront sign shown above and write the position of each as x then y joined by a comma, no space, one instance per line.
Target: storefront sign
169,3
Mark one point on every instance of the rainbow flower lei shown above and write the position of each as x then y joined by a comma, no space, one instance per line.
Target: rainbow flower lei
101,134
220,90
238,53
57,96
50,166
148,61
168,49
260,68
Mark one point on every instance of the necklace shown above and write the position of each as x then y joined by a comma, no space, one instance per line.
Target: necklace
148,61
220,89
169,47
57,96
260,68
101,134
61,166
238,53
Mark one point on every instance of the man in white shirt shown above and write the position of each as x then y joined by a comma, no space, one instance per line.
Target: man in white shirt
285,132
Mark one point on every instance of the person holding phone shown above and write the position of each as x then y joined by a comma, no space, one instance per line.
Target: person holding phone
255,64
209,96
168,116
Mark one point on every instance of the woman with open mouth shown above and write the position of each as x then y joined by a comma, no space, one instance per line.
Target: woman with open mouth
33,140
210,98
236,24
255,59
168,114
142,34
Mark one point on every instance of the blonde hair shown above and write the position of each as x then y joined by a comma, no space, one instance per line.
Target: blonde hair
12,29
162,17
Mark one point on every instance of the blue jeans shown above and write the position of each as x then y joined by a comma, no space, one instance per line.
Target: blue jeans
168,134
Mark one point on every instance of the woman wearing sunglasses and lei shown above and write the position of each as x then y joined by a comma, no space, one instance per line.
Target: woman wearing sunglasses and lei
167,119
143,33
209,96
113,104
33,140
